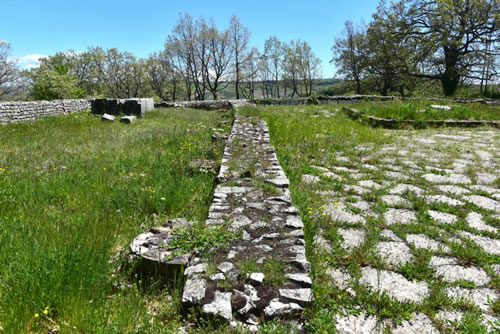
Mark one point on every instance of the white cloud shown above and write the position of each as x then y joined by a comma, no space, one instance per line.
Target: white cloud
29,61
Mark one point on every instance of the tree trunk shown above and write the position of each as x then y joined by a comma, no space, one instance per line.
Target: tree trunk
450,77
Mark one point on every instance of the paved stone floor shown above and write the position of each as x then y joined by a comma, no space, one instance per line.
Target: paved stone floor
428,204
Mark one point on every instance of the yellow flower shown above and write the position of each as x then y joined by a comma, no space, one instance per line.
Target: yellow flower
37,315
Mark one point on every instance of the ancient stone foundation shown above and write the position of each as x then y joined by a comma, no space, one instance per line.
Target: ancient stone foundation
252,198
11,112
135,106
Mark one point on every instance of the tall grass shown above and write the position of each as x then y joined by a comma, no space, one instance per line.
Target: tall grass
422,110
72,189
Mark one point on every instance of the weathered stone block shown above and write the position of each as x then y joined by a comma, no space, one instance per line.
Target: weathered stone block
98,106
108,118
134,107
128,119
113,107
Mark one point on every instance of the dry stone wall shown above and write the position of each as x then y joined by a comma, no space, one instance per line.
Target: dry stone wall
265,274
11,112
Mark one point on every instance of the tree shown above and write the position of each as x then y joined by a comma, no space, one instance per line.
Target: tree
310,68
53,82
162,76
249,71
239,36
220,56
350,53
121,73
9,74
273,54
447,36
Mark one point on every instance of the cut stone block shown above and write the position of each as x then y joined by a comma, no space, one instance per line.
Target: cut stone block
276,308
194,291
442,217
395,200
453,272
387,233
128,119
221,305
423,241
369,184
400,189
300,296
352,237
394,253
351,324
394,284
420,324
454,190
341,278
443,199
475,220
484,202
452,178
338,212
481,297
108,118
490,246
310,179
399,216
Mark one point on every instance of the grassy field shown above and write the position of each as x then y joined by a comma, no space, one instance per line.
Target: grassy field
74,191
422,110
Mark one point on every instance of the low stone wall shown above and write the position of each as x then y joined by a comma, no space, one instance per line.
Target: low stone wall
390,123
11,112
206,105
233,104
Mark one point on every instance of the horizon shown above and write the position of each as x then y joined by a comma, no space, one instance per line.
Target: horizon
44,29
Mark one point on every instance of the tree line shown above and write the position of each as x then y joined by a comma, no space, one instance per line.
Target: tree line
412,43
198,62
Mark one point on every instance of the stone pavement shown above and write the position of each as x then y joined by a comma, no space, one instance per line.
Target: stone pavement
432,197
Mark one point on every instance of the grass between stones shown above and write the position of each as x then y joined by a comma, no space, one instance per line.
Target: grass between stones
74,191
422,110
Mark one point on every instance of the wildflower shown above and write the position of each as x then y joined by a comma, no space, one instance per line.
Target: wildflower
46,311
37,315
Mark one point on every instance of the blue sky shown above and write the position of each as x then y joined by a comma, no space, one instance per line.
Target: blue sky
36,28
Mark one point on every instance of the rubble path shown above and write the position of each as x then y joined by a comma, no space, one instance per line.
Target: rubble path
265,273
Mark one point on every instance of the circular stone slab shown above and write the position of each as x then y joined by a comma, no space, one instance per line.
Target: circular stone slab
152,247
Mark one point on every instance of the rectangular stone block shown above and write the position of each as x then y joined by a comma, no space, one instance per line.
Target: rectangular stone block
113,107
98,106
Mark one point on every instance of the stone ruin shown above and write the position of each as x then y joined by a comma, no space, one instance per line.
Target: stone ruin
131,107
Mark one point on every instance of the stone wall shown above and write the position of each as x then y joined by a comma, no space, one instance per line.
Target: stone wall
11,112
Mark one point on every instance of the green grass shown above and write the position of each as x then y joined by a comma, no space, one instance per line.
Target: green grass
73,191
422,111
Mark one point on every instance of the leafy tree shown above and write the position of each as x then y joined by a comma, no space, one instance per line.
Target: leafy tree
162,76
121,73
350,53
53,82
446,37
